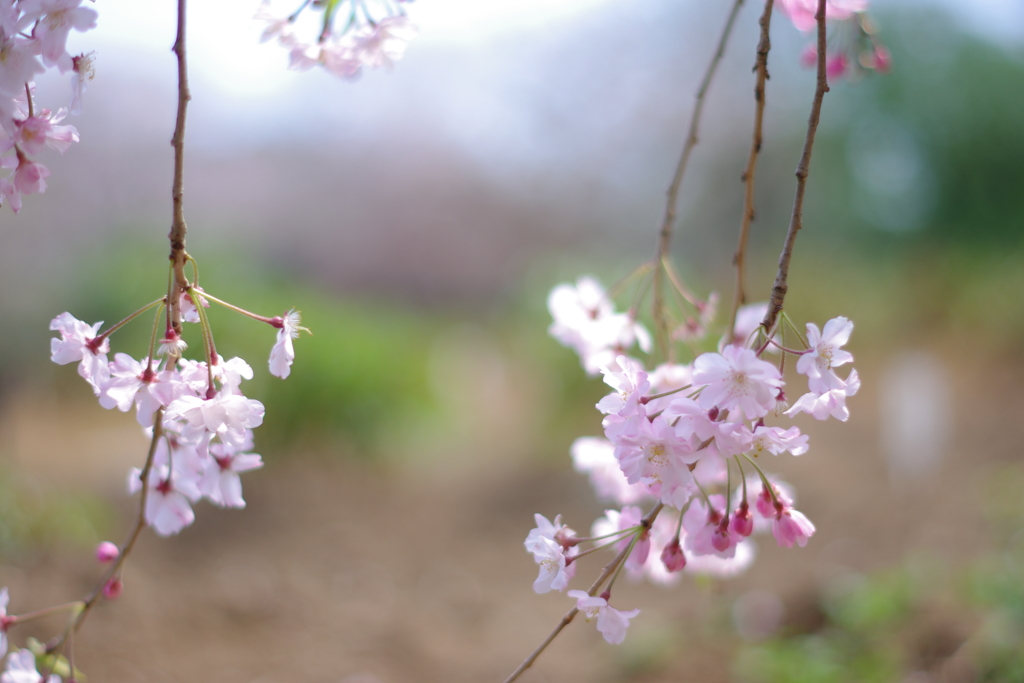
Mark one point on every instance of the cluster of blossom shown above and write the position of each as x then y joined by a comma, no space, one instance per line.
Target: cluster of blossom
195,410
363,39
852,44
33,38
679,436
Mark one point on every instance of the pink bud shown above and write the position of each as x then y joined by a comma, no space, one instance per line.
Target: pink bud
882,59
742,521
112,589
809,56
835,66
672,556
107,552
765,505
720,540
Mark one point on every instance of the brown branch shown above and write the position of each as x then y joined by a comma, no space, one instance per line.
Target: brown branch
608,570
140,524
671,204
761,67
780,287
178,229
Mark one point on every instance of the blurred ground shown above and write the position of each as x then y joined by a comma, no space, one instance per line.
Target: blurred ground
411,571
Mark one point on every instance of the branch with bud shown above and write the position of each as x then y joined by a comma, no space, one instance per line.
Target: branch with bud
689,440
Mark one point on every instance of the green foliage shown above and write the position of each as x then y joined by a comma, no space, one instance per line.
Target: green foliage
29,518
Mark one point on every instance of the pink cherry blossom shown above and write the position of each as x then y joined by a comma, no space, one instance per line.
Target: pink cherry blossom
83,71
615,521
551,559
585,321
801,12
283,353
791,526
596,457
58,17
168,501
830,404
651,452
824,354
748,320
775,440
39,131
107,552
21,668
220,482
628,378
30,177
222,413
385,43
737,378
611,623
555,531
77,344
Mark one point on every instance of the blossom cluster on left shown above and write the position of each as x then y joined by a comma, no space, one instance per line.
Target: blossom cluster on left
33,39
199,423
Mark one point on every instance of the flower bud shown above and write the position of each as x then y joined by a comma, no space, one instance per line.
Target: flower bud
107,552
112,589
672,556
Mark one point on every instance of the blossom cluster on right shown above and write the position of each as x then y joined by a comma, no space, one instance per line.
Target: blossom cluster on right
690,439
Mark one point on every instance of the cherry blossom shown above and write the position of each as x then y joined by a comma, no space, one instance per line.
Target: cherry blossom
220,482
824,354
615,521
776,440
627,376
585,320
58,18
596,457
169,499
737,378
77,343
283,353
801,12
791,526
21,668
611,623
554,531
829,404
83,71
550,556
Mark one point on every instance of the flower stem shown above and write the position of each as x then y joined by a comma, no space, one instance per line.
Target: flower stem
781,286
761,67
608,570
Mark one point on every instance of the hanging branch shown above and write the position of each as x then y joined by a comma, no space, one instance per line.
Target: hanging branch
780,287
609,569
761,67
178,229
671,205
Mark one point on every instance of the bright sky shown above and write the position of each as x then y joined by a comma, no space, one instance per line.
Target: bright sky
224,37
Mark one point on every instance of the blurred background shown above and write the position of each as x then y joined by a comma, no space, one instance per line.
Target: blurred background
418,219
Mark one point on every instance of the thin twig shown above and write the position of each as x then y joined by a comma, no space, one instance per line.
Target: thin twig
140,524
761,67
608,570
780,287
672,202
178,229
